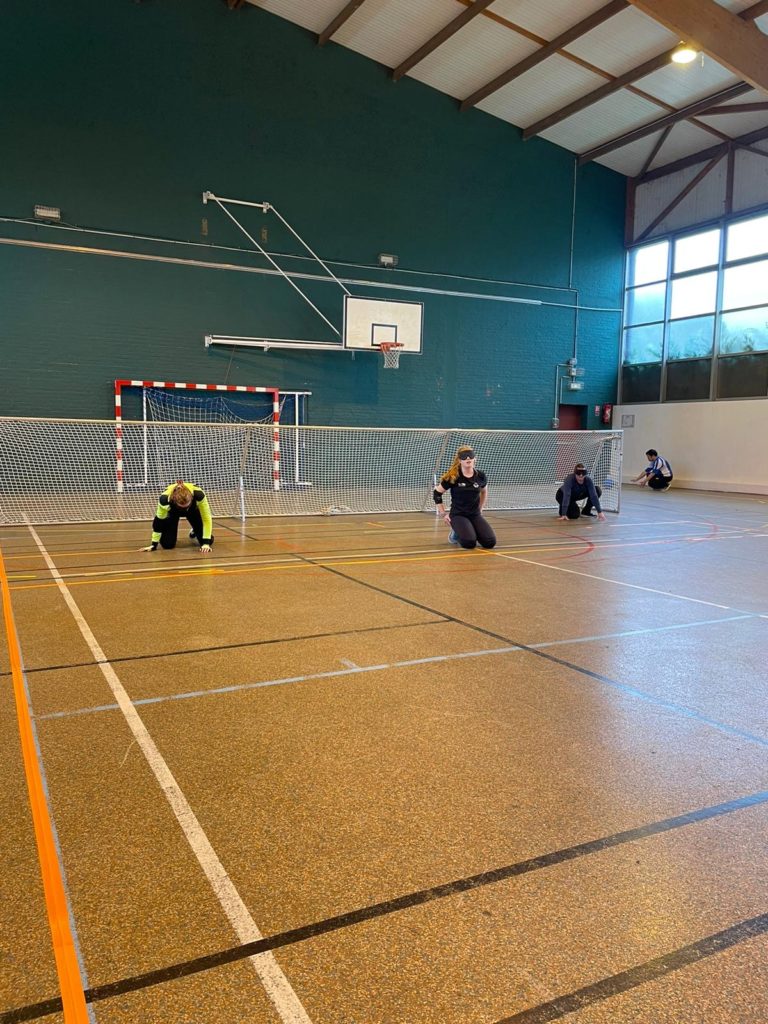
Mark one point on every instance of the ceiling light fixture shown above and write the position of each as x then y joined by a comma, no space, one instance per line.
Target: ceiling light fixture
684,54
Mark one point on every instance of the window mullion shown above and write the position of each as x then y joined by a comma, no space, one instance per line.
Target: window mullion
713,376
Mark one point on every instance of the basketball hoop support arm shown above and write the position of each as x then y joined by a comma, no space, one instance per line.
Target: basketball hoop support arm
266,208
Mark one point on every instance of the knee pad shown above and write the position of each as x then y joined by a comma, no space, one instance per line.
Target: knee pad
468,543
488,544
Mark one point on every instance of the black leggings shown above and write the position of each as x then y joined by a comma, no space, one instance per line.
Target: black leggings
659,483
573,511
169,527
473,529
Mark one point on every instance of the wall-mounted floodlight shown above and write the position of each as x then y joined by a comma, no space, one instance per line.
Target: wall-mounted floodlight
47,213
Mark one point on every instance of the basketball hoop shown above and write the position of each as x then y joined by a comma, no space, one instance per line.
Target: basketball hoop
391,353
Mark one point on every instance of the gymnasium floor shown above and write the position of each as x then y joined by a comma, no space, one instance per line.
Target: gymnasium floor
343,773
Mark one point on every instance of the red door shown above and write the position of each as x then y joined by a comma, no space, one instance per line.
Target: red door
569,418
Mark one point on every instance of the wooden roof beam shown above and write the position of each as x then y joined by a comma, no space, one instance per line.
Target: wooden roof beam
654,64
655,151
735,108
682,194
437,40
333,27
581,29
679,115
755,11
742,142
732,41
598,94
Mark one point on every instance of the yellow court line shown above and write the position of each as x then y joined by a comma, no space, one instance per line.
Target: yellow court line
212,571
70,982
33,553
560,548
94,551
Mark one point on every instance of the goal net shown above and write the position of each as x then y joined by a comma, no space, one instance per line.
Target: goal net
175,402
173,407
55,471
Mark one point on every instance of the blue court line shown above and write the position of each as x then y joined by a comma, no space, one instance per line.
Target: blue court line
631,691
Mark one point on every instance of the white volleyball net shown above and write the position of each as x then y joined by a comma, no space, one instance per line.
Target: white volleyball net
58,471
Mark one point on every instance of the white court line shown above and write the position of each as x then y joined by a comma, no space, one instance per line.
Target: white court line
622,583
276,985
240,687
359,669
544,544
319,559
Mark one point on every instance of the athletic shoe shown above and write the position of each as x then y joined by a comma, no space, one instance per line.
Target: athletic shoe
589,514
452,538
192,535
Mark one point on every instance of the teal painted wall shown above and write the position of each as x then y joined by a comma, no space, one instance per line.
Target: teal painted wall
123,113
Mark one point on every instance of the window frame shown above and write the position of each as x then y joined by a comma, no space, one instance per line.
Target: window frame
723,224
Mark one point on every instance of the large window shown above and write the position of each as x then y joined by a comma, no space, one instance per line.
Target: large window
696,315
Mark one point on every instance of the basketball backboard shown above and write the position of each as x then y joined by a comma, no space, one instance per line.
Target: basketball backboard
369,322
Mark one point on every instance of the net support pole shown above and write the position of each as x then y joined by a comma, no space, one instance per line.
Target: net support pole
436,468
240,499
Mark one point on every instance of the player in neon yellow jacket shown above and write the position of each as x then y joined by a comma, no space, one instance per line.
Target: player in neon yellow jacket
187,500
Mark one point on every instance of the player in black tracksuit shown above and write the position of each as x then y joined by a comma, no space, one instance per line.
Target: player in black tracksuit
469,491
577,486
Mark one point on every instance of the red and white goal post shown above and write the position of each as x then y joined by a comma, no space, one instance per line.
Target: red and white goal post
175,385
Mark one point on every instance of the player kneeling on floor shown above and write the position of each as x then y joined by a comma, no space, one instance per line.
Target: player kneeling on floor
189,501
657,474
577,486
469,492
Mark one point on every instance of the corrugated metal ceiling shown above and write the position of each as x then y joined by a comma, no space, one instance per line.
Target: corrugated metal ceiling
509,31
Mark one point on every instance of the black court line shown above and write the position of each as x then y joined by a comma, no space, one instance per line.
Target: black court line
379,910
74,571
579,669
441,621
20,575
441,615
538,653
651,970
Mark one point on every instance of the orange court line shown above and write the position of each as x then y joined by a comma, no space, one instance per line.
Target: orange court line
67,967
580,545
212,571
34,553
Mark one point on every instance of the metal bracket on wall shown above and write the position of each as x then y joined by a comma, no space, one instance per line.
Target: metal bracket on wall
269,208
